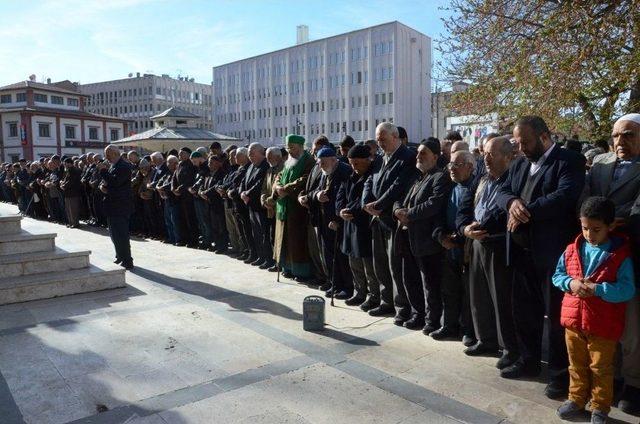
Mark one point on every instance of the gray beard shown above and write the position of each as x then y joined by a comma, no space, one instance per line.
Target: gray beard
291,162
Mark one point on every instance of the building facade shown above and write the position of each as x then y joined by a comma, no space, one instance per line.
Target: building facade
139,97
38,120
345,84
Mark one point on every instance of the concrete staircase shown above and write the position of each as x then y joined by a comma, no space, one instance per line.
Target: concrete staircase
32,267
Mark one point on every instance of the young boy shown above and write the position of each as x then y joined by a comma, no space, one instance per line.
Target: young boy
597,275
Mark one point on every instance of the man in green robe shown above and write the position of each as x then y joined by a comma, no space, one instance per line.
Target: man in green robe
290,247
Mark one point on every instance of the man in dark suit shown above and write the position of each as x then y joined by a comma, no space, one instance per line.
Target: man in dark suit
240,209
356,237
484,223
183,178
208,192
418,216
323,198
616,176
540,196
118,203
250,189
382,189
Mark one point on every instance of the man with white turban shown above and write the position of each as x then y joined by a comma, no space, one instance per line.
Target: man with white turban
616,176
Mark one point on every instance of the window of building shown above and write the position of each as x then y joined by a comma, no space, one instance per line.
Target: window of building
359,77
366,125
21,97
359,125
69,132
376,100
5,98
57,100
44,130
72,102
353,125
366,100
359,101
42,98
93,132
13,129
391,98
383,98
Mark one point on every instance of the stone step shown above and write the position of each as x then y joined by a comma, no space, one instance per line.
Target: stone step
56,260
55,284
10,224
24,242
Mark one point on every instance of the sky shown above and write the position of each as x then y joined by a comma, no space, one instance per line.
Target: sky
90,41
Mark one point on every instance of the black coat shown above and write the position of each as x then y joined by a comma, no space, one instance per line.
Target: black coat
252,184
553,222
183,178
426,204
356,239
117,200
332,183
390,184
310,186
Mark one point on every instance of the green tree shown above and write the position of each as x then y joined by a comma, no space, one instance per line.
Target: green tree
576,63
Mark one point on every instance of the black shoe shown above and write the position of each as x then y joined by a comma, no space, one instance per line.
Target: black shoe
521,370
266,265
242,256
180,244
342,295
273,268
258,262
507,359
117,261
468,340
249,260
445,333
428,329
557,389
302,279
127,265
287,274
369,304
382,311
220,250
399,320
414,323
354,301
324,287
630,401
482,349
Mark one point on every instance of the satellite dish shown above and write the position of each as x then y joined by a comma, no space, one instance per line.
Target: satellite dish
32,77
130,74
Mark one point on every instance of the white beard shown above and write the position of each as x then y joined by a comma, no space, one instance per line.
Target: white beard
325,173
291,162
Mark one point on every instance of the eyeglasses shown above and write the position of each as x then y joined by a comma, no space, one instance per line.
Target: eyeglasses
453,165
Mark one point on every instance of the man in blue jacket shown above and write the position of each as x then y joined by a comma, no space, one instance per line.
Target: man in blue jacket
540,196
118,203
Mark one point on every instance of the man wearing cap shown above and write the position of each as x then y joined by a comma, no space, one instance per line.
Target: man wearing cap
200,206
290,249
118,203
616,175
356,237
381,191
420,254
71,187
334,173
208,192
267,199
183,178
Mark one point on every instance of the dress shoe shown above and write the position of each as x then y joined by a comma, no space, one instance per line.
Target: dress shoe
599,417
342,295
127,265
481,349
324,287
300,279
557,389
220,250
180,244
428,329
382,311
507,359
354,301
521,370
117,261
328,293
445,333
569,410
273,268
630,400
249,260
399,320
369,304
287,274
242,256
468,340
266,265
257,262
414,323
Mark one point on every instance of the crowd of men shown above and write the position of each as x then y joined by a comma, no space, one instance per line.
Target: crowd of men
461,245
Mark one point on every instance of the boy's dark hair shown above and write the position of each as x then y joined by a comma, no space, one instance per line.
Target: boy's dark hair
600,208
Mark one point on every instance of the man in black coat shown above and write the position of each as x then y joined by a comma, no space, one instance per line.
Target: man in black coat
323,198
240,209
484,223
382,189
250,190
540,196
209,193
418,216
183,178
118,203
356,234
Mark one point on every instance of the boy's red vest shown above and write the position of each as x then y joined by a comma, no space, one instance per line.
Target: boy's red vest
592,315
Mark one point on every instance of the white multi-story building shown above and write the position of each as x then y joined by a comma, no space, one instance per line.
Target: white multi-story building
345,84
140,97
38,120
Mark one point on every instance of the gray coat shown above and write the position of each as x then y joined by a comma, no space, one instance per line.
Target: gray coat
624,193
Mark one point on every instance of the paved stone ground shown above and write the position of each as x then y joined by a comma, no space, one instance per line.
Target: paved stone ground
202,338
